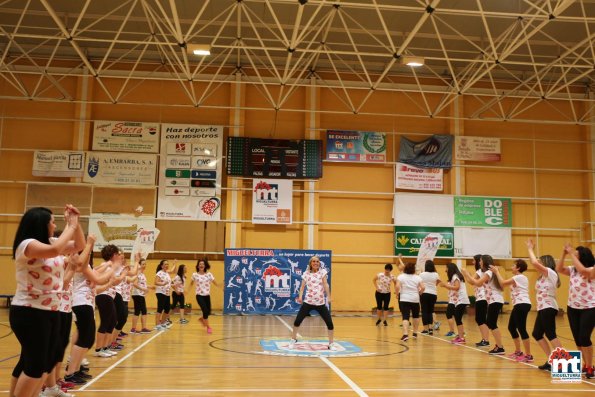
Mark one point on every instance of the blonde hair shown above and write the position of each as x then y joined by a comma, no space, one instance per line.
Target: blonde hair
310,261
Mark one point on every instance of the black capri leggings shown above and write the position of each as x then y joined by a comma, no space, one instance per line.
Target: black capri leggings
450,310
65,326
107,313
85,324
322,310
518,320
408,308
581,324
140,305
37,331
494,310
382,300
459,311
205,305
163,303
481,312
545,323
177,300
428,301
121,312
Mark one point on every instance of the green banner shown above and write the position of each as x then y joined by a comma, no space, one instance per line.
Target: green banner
177,173
483,211
409,238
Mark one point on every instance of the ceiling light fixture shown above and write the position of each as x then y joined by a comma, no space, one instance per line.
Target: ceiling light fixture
199,49
412,61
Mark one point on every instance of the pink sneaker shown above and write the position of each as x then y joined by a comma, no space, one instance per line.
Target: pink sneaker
515,355
458,340
525,358
209,330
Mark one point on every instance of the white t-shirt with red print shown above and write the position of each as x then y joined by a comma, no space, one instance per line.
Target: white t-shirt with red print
39,280
111,291
520,291
314,287
545,289
383,282
581,292
480,292
202,283
178,284
141,281
125,289
82,291
164,289
458,297
493,293
66,301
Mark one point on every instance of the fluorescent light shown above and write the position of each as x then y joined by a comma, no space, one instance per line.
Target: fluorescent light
413,61
199,49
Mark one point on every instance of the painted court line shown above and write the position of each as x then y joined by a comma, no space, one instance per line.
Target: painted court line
108,369
332,366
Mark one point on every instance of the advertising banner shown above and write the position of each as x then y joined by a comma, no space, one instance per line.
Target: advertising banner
190,172
434,152
356,146
120,168
482,211
272,201
58,163
267,281
118,229
475,148
409,240
415,178
126,136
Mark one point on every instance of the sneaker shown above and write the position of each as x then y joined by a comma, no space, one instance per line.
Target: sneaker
515,355
83,375
332,347
459,341
378,322
425,332
74,379
292,343
159,328
84,368
116,347
110,352
385,323
527,358
414,335
122,334
145,331
134,331
183,321
430,332
65,385
589,373
209,330
497,350
482,343
450,334
54,391
168,321
404,338
167,324
100,353
545,367
85,362
437,325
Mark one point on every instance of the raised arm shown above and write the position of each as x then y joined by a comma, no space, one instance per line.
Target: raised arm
533,259
560,268
400,265
585,272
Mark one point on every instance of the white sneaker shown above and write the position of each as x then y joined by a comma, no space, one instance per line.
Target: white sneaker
167,325
54,391
292,343
159,327
333,347
85,362
111,352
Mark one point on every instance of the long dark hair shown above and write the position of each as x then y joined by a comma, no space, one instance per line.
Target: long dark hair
549,262
476,260
181,272
488,261
585,256
430,267
451,270
33,224
206,261
160,265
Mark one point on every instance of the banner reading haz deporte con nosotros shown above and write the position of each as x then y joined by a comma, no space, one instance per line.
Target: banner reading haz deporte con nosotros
266,281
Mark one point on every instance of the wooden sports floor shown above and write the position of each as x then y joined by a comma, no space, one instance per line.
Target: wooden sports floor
186,361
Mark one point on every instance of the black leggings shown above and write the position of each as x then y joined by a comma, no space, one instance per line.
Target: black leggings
382,300
85,324
65,327
163,303
177,300
37,331
408,308
494,310
545,323
581,324
107,313
121,312
459,311
322,310
518,321
140,305
205,305
428,301
481,312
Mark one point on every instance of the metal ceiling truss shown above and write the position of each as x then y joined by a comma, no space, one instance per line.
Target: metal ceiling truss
508,60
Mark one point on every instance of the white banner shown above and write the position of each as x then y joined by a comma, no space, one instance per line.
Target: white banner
272,201
415,178
496,242
120,168
145,242
58,163
126,136
190,172
118,229
475,148
427,250
418,209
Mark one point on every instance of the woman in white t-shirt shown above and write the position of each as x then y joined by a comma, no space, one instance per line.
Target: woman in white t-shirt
315,282
494,297
521,305
203,280
177,296
428,299
162,293
481,303
581,300
34,318
457,300
409,287
138,293
382,282
547,306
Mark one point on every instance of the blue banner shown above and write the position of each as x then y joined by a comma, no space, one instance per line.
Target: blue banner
434,152
266,281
